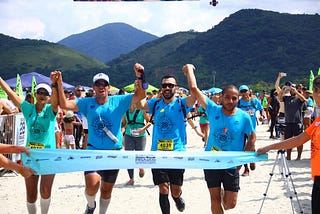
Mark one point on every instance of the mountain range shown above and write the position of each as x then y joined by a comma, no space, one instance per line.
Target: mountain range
249,47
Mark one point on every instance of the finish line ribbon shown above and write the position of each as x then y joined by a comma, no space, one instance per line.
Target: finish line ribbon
52,161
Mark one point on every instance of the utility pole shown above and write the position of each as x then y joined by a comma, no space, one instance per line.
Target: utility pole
214,77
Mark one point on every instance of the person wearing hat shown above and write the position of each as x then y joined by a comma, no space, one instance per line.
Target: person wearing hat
309,109
79,93
250,106
69,121
104,114
40,119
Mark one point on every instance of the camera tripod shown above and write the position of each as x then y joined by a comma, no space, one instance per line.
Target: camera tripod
286,175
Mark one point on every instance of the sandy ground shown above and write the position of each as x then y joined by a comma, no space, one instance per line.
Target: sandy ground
68,190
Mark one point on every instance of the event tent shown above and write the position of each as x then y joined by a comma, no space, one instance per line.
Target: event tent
130,88
26,81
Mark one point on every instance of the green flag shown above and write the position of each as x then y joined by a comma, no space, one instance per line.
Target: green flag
19,86
311,81
319,72
33,86
3,94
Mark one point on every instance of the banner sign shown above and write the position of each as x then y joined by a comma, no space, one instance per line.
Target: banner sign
52,161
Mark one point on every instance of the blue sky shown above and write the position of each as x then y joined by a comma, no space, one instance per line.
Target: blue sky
53,20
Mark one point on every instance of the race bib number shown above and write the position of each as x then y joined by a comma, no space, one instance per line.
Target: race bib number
251,112
165,145
134,132
215,149
33,145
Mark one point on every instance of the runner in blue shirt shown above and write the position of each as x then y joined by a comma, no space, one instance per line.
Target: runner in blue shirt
250,106
104,115
169,134
228,126
40,119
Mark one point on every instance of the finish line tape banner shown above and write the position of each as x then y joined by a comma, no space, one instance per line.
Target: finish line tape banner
52,161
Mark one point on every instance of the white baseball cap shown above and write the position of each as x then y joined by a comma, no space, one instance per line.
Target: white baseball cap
100,76
44,86
69,114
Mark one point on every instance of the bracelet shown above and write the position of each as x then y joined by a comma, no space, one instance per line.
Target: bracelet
54,85
195,127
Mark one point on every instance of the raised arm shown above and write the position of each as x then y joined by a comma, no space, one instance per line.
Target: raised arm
139,92
63,102
277,83
188,70
17,100
55,96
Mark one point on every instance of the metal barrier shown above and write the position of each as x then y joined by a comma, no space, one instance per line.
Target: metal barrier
12,131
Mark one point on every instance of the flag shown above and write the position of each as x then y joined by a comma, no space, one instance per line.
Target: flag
311,81
33,86
319,72
19,86
3,94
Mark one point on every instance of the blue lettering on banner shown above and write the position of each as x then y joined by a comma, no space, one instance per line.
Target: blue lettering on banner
52,161
145,159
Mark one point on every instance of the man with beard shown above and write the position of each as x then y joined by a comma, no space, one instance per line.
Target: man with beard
169,134
228,126
293,115
104,115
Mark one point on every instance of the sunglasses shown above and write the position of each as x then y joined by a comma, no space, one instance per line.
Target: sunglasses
104,84
43,93
165,85
243,91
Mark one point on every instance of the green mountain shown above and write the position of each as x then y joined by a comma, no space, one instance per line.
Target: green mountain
249,47
26,55
149,55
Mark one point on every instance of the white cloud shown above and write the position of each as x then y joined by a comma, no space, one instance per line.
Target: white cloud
23,28
55,20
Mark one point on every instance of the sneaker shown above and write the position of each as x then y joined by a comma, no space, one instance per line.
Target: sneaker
180,204
90,210
245,173
130,182
141,173
252,166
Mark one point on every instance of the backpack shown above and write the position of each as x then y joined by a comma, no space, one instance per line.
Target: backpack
183,108
133,121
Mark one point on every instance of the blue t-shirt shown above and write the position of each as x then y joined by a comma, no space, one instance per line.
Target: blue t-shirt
310,102
251,107
227,132
108,115
40,125
169,128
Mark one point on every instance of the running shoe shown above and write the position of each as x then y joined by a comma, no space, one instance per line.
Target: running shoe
90,210
130,182
180,204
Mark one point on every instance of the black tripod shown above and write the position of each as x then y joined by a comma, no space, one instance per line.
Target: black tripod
286,175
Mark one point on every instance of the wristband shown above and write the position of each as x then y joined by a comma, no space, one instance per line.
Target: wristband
195,127
54,85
